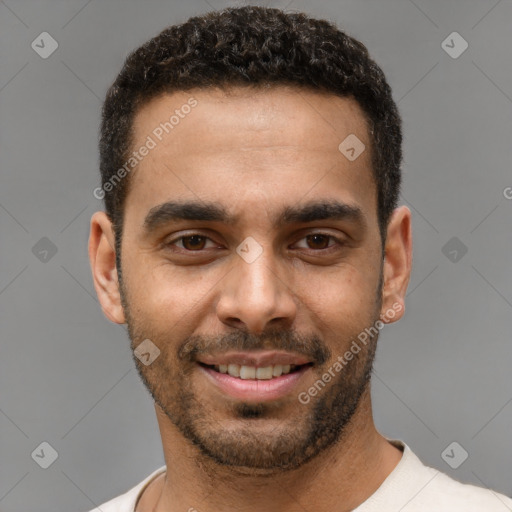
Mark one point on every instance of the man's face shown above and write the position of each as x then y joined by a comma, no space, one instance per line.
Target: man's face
300,288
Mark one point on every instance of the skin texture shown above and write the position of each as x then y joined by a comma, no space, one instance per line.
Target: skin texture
256,152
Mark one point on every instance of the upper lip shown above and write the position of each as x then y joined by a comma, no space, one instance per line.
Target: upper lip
257,359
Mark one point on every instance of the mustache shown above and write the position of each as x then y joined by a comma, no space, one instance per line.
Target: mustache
309,346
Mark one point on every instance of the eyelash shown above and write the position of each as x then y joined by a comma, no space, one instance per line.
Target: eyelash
174,240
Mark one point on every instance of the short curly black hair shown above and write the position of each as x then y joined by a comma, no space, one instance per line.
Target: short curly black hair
250,46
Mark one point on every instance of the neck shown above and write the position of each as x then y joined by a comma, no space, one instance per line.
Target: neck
340,478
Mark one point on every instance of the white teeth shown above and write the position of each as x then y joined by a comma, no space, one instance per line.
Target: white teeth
251,372
247,372
278,370
234,370
264,373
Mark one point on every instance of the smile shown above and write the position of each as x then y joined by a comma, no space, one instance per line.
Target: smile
256,384
252,372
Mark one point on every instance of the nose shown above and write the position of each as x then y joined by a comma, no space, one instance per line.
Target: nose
255,296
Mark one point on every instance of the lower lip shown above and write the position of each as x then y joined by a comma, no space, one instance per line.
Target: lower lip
253,389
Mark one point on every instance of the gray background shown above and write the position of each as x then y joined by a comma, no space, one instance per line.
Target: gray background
66,372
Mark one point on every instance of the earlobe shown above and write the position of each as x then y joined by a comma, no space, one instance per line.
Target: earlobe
397,265
102,258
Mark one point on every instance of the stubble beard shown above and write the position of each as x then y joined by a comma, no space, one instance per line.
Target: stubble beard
322,423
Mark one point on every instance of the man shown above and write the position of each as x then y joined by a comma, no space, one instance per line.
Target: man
250,164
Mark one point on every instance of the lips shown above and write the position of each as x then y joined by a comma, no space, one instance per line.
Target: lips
257,376
259,359
254,389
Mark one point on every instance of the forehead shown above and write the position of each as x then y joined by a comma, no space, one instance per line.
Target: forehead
274,143
274,116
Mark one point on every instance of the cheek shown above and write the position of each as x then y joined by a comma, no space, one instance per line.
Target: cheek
344,301
169,297
151,294
347,286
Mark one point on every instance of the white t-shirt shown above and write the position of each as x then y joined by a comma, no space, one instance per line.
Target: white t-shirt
410,487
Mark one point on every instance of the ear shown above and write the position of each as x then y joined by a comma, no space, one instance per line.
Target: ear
397,265
102,257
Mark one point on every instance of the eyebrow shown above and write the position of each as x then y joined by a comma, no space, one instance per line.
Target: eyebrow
174,211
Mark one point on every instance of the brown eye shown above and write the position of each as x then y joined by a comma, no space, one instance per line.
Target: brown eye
191,243
318,241
194,242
